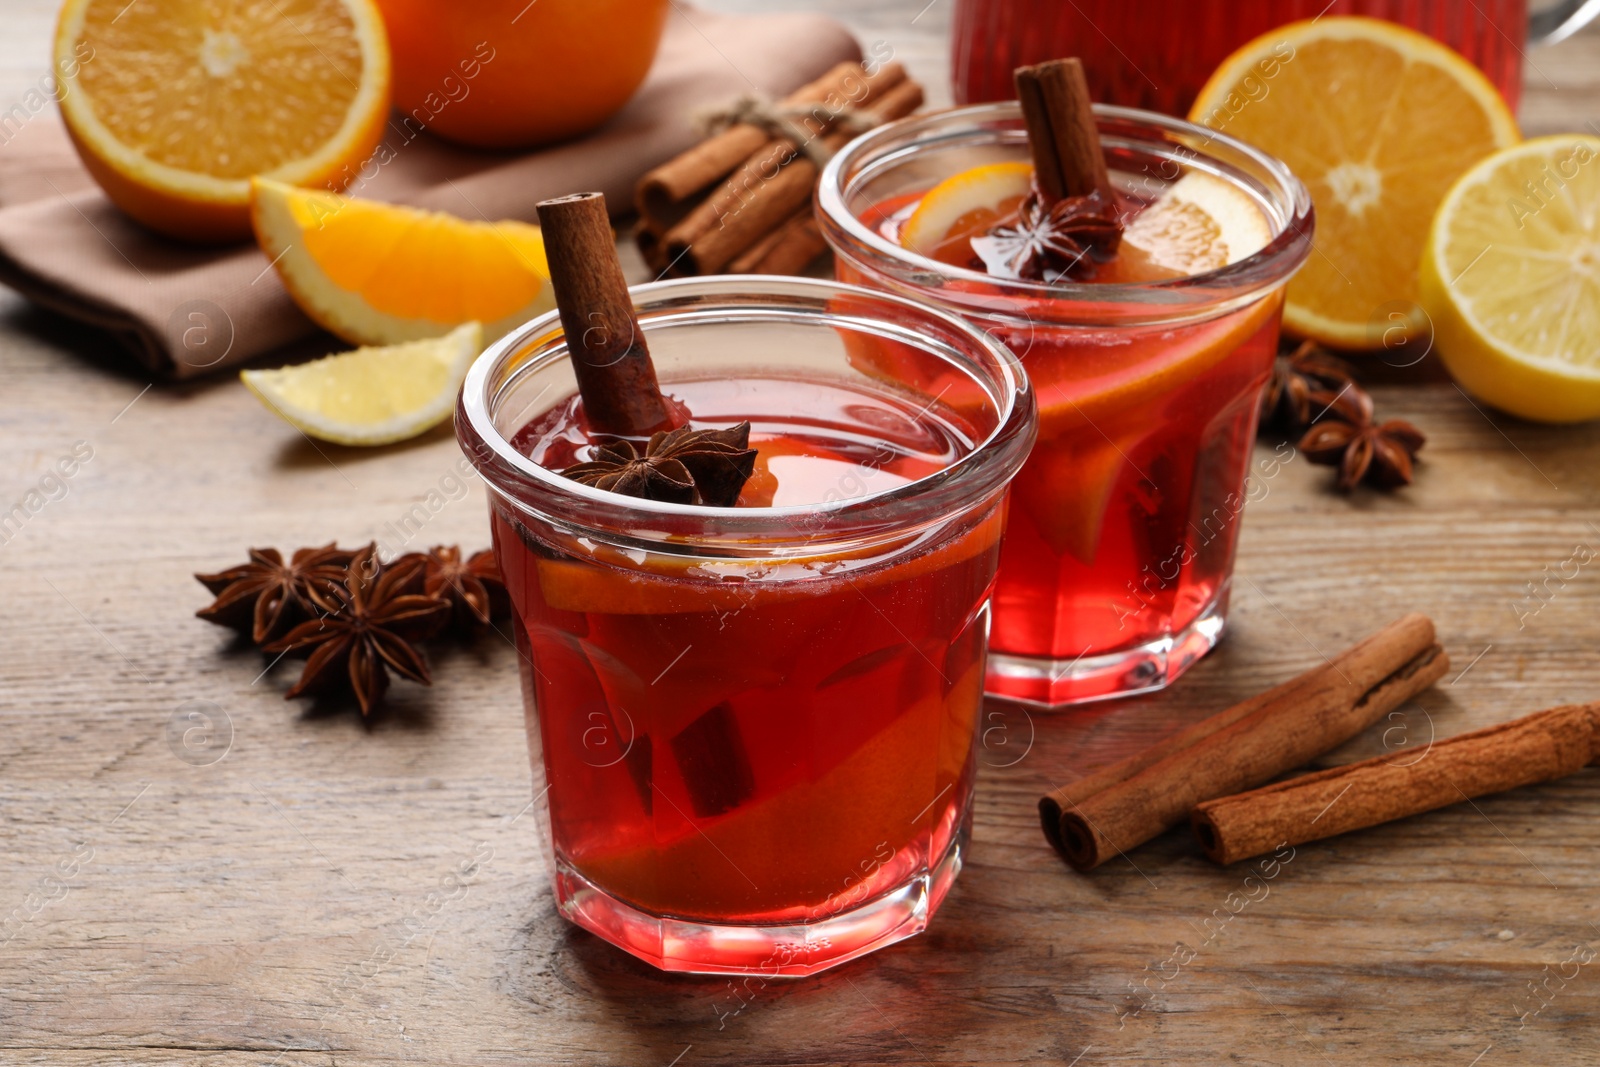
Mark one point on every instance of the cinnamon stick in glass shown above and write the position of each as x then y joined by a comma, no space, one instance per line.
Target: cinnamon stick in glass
1536,748
770,187
1127,804
615,376
1062,135
662,192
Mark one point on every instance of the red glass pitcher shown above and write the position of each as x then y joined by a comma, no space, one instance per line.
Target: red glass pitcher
1156,54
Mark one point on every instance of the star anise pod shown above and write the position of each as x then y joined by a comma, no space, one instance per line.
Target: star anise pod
1048,241
474,589
1304,386
681,466
1379,452
367,626
267,596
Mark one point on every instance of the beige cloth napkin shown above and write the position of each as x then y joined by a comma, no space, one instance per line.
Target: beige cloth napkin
184,311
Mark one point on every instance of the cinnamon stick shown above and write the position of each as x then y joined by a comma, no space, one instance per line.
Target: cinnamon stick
770,187
787,250
661,191
1062,135
648,239
745,262
1127,804
615,375
1536,748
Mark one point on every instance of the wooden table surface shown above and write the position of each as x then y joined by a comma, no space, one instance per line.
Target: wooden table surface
274,896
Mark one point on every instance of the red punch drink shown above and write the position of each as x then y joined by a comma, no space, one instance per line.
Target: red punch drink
1146,362
753,727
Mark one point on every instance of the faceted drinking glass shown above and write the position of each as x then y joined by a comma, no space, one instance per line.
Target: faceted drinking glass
1115,571
753,729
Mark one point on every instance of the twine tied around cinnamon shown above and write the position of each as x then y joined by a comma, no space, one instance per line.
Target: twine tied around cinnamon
779,120
740,200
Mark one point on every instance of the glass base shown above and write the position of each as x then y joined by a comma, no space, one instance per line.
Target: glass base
1123,673
773,951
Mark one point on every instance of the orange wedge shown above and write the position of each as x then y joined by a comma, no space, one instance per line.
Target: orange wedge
175,105
1378,121
379,274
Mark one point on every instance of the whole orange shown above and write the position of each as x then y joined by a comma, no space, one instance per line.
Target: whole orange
513,73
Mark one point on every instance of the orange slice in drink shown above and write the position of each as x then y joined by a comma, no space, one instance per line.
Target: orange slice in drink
1064,490
1201,223
734,862
1378,121
175,105
1095,396
1105,380
964,204
1095,401
379,274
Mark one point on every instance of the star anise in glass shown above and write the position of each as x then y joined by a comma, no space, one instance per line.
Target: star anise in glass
1304,386
1048,240
267,596
366,627
681,466
1379,452
473,588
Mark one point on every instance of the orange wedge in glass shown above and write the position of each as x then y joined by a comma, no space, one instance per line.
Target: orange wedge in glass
1378,121
1200,223
175,105
379,274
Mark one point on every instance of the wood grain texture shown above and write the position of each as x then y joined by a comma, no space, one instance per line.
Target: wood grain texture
301,901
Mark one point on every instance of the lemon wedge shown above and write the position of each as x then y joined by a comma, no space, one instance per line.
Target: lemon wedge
372,396
1511,279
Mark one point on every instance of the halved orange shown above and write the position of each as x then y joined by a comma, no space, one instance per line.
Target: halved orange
379,274
175,105
1378,121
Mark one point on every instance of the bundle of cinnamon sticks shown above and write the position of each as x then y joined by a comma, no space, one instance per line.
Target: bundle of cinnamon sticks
740,201
1198,774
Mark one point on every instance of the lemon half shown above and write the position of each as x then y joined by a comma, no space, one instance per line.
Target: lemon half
1511,278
